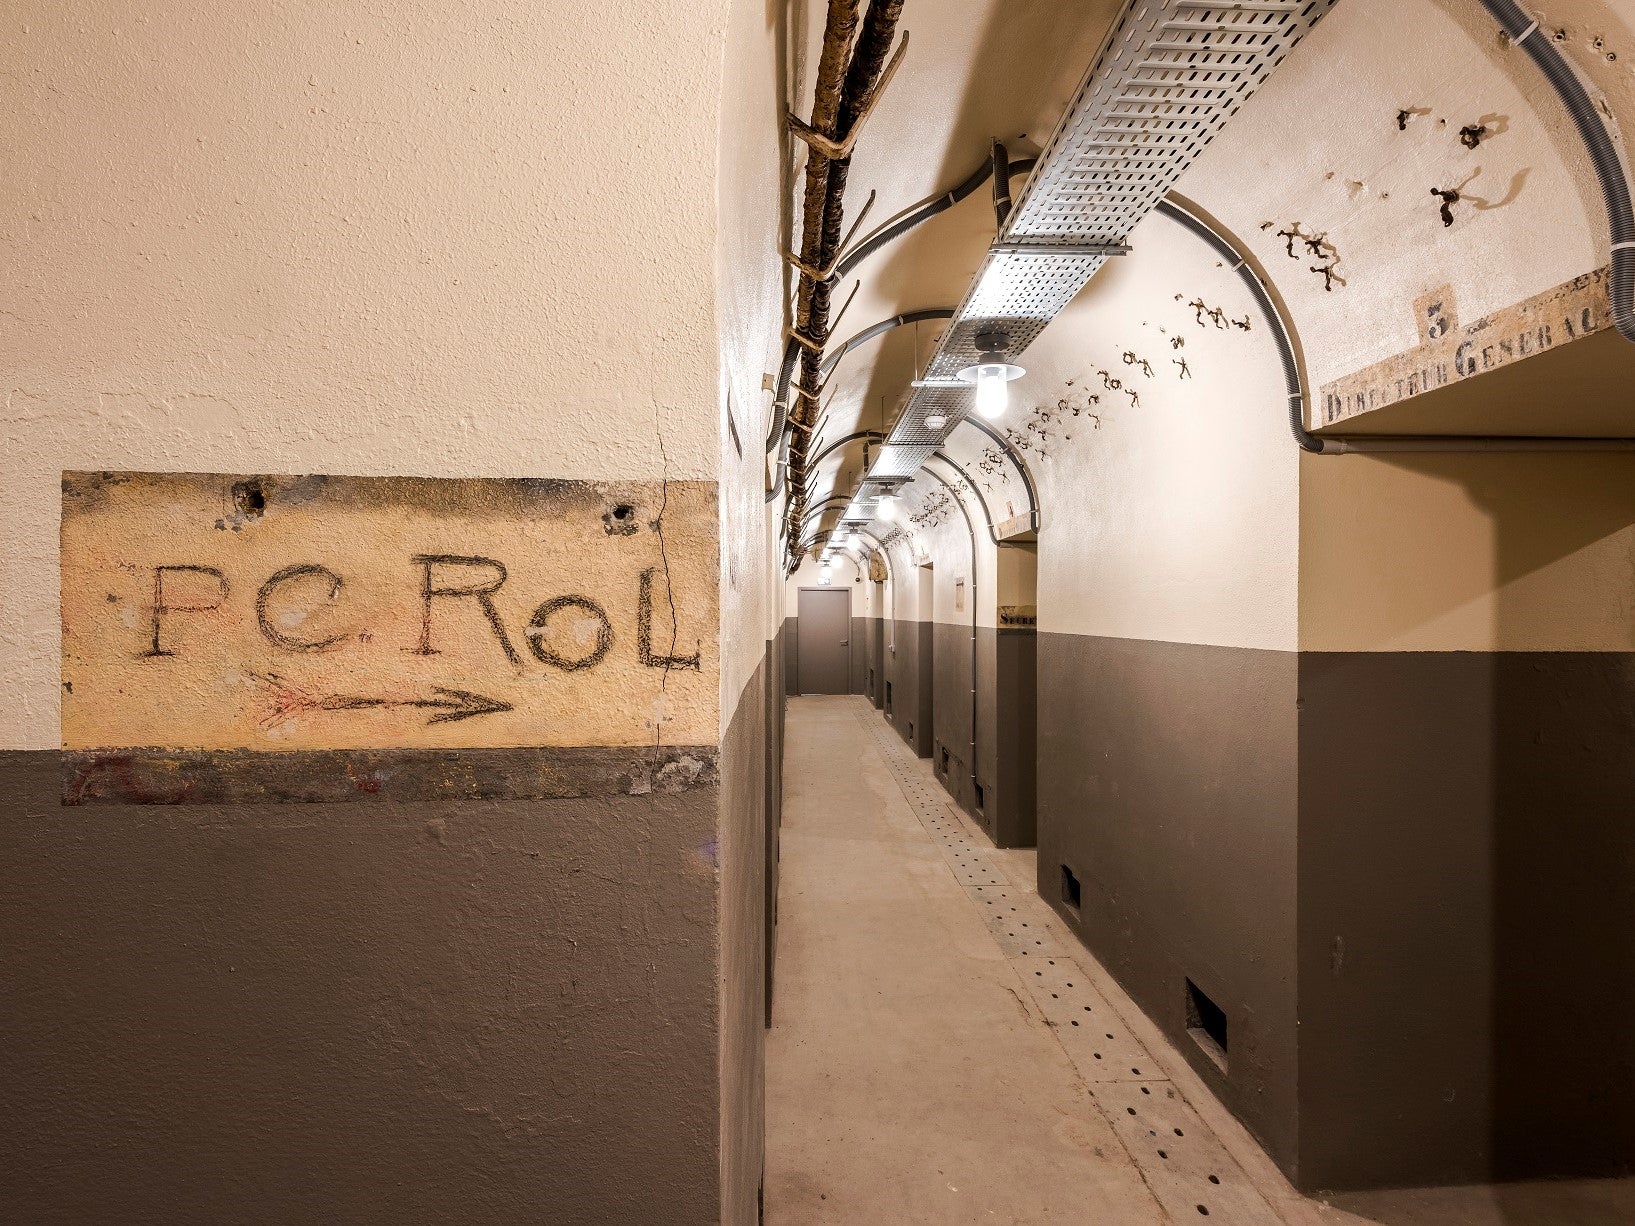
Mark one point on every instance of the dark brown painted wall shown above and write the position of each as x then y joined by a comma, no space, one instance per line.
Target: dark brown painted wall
908,669
951,713
742,946
1015,734
791,655
1467,888
1429,856
388,1009
1006,700
776,707
870,658
877,661
1167,782
859,642
857,666
485,1010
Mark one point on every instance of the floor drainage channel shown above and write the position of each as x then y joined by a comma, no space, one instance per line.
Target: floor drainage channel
1184,1164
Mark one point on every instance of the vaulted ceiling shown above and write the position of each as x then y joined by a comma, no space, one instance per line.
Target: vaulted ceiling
1347,141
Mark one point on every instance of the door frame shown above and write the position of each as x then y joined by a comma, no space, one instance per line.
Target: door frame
850,646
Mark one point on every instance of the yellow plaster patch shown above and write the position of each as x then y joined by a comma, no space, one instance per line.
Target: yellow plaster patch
1448,353
225,612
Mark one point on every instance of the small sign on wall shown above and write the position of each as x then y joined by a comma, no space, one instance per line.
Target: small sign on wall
959,595
305,613
1449,352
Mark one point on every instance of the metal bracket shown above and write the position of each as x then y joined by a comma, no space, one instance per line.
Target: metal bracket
828,273
835,149
1060,249
804,341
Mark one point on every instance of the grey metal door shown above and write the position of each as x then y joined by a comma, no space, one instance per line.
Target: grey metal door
823,664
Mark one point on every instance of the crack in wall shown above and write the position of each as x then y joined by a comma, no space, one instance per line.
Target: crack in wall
669,592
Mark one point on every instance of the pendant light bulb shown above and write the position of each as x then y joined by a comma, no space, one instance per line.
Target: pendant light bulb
990,373
886,507
992,392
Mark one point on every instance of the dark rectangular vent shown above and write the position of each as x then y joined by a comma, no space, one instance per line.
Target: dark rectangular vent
1206,1023
1071,893
980,795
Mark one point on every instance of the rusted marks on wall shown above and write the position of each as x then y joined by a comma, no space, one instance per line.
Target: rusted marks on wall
204,612
935,510
341,776
1205,315
1299,245
1448,352
1449,197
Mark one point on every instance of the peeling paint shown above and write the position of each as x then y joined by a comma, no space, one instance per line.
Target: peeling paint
382,613
1448,352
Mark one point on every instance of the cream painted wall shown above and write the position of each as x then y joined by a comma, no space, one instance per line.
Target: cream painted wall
419,239
749,320
1018,575
844,574
904,601
750,295
998,484
1319,145
1182,520
943,540
1437,553
956,564
1174,519
1468,553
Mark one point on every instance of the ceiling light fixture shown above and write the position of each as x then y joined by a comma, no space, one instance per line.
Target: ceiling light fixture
991,374
935,421
886,507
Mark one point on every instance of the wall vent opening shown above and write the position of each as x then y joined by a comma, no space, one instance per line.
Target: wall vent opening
944,759
980,796
1206,1023
1071,891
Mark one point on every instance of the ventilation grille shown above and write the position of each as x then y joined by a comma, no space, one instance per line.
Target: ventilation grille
1171,73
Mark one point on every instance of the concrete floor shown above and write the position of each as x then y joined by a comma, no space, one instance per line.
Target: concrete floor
942,1051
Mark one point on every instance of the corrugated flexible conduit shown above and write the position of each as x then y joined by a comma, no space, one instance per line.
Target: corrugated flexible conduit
970,529
1596,133
887,233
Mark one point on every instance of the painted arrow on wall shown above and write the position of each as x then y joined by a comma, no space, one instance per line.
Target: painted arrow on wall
287,700
450,705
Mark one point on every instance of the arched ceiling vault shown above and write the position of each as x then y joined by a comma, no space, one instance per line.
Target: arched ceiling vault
1340,148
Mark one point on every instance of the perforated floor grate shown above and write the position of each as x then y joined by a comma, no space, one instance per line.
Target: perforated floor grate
1187,1168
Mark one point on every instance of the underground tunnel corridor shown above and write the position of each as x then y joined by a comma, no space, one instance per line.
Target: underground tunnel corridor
823,611
942,1050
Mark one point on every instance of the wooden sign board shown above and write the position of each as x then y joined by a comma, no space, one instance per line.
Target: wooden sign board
321,613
